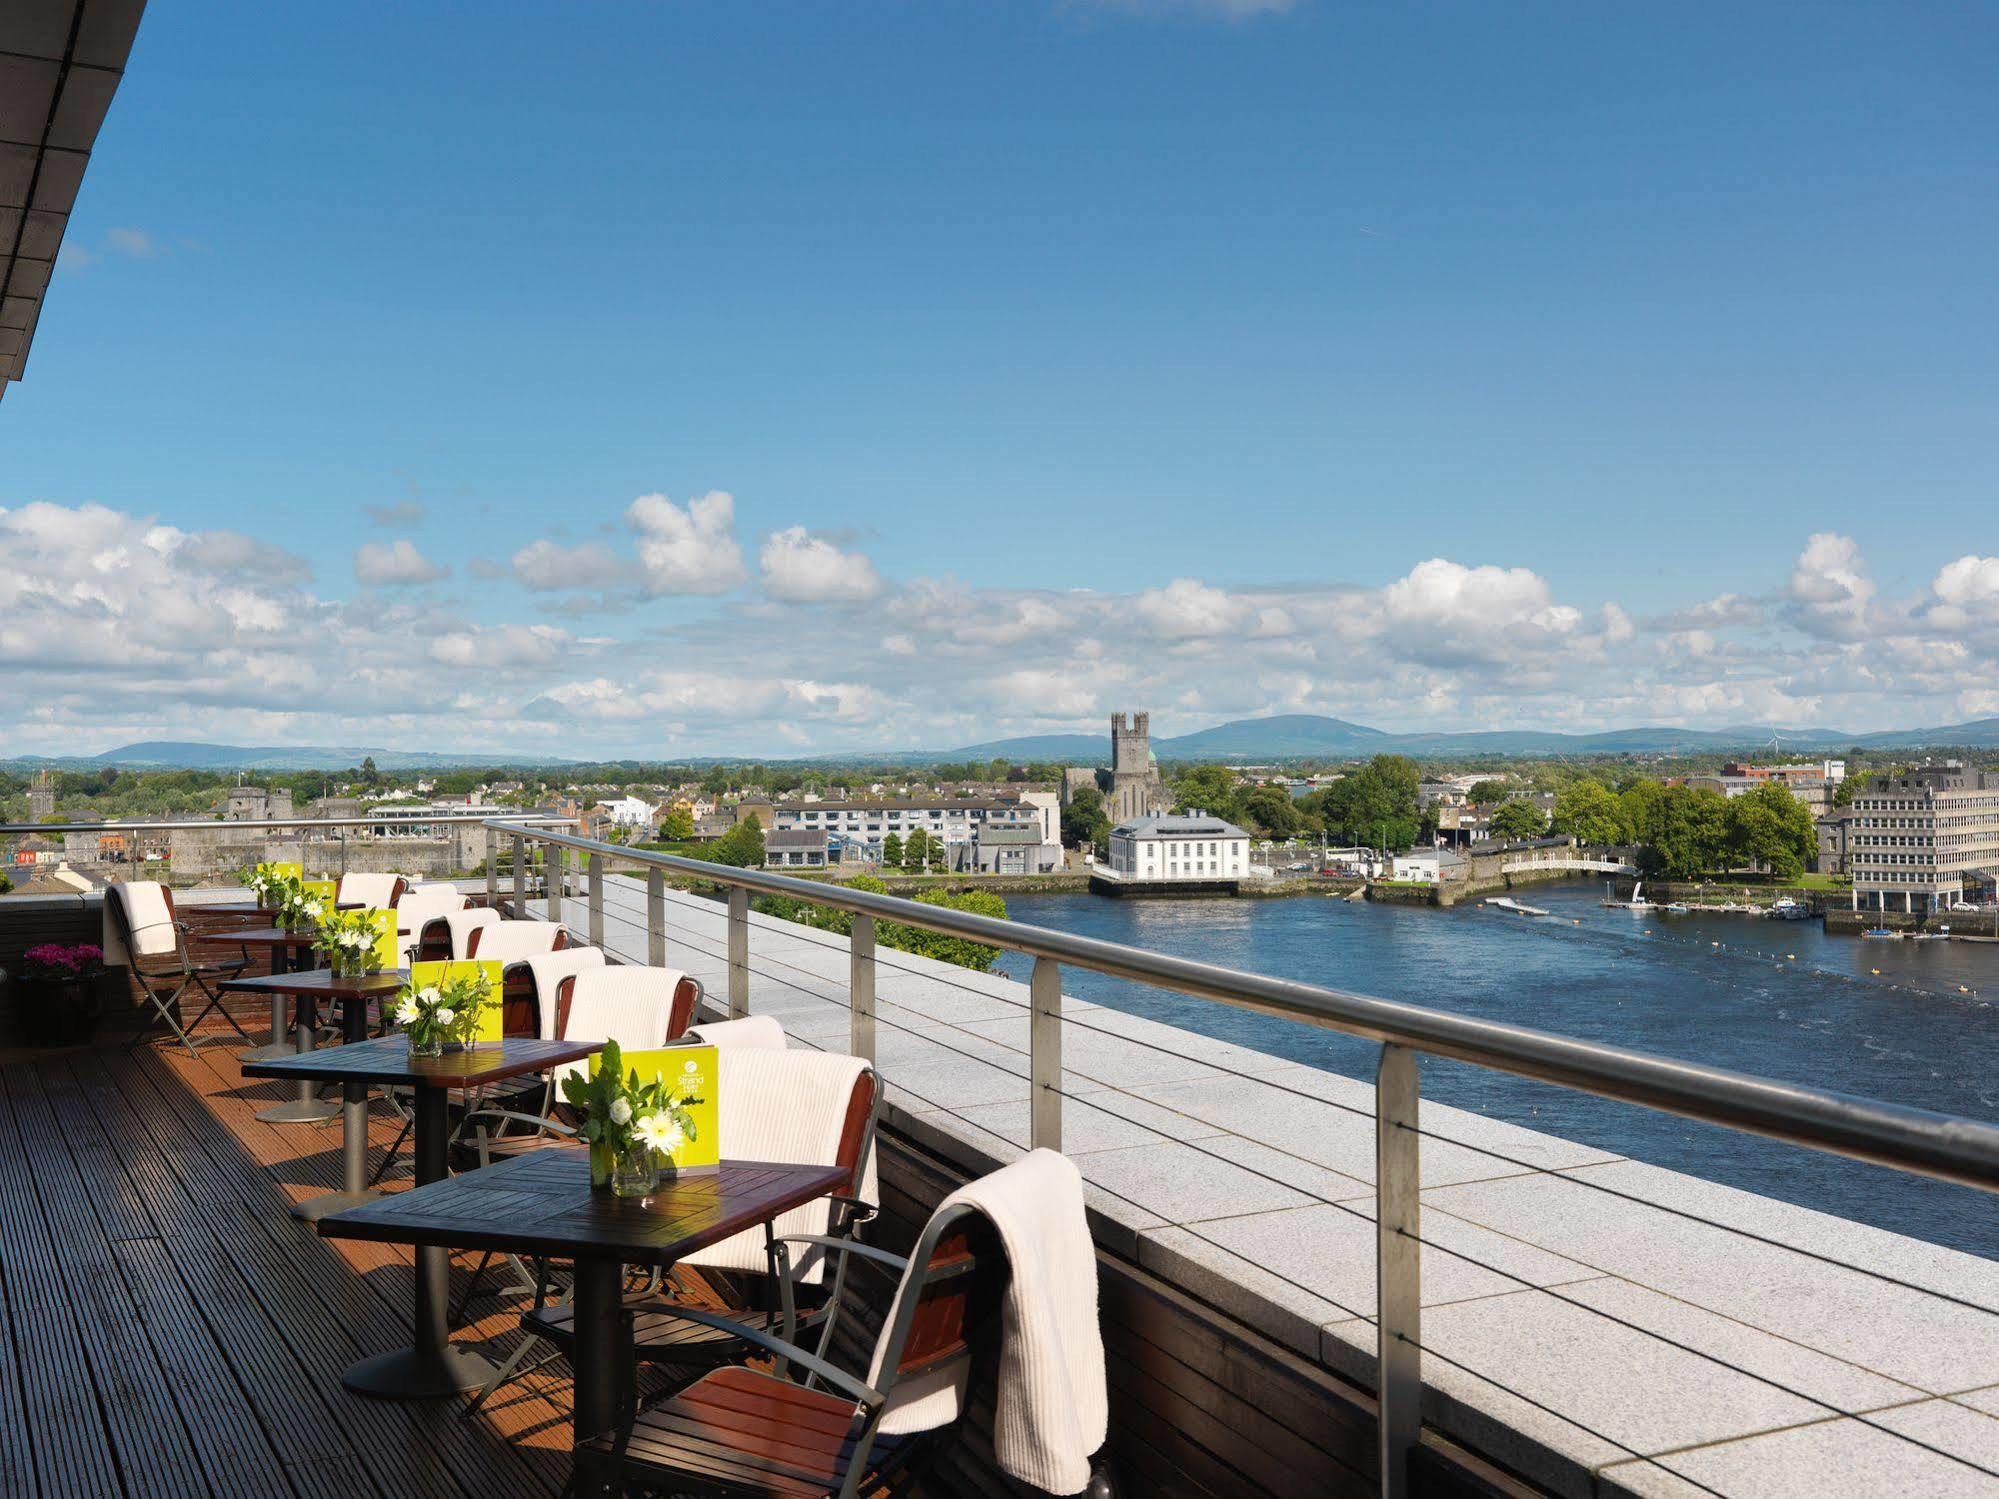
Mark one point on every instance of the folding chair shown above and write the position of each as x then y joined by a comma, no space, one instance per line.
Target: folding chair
154,939
737,1430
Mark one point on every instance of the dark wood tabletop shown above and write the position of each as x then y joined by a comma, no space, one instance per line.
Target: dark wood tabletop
541,1203
323,982
255,936
387,1059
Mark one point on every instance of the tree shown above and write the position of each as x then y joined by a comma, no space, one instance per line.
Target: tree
1643,805
1769,826
1591,814
742,845
1376,805
1208,788
1842,795
958,950
1691,832
677,826
1518,818
1272,813
915,850
1085,824
1488,793
369,775
892,851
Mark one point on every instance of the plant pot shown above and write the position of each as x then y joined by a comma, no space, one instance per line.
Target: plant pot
56,1011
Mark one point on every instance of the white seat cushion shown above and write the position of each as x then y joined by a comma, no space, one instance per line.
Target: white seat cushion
465,923
548,970
512,941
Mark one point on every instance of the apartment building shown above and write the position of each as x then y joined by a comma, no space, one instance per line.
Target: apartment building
1925,839
859,827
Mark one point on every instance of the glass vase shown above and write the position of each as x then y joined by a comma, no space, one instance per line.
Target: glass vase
602,1158
425,1046
634,1173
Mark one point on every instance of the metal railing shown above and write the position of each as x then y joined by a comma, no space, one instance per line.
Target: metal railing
1945,1147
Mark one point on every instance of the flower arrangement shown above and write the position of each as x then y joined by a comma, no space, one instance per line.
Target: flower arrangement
55,960
350,940
631,1126
444,1012
266,882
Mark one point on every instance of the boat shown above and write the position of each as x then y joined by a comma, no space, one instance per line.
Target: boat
1882,934
1789,909
1508,903
1636,903
1675,908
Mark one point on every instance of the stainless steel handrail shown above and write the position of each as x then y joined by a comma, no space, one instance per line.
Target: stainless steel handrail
1951,1148
210,824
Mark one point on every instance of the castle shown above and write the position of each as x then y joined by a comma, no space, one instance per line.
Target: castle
1132,787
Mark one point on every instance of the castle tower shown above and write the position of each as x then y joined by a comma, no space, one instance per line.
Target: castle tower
1135,785
42,795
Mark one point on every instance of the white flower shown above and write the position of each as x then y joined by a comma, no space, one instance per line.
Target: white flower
445,1017
621,1111
660,1133
407,1012
430,996
314,908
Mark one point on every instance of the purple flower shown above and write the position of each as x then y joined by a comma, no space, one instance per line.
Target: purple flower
57,960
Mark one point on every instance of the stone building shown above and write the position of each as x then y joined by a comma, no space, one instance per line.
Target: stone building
1132,786
42,795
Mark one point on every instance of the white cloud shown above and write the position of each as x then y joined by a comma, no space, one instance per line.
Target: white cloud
480,647
690,549
136,243
1967,593
1830,586
404,515
546,565
394,563
800,568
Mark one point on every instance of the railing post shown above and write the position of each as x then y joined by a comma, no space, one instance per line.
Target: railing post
551,878
596,900
1398,1263
520,876
739,952
861,987
1044,1055
656,917
492,874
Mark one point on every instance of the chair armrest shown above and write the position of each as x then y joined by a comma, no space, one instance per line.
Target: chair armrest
771,1344
846,1246
535,1121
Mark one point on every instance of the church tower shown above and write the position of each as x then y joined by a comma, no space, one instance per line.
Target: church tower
42,795
1136,788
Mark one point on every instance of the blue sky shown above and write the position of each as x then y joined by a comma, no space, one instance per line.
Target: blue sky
1282,302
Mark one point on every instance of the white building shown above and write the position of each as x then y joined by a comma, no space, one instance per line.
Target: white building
629,812
866,824
1925,840
1164,847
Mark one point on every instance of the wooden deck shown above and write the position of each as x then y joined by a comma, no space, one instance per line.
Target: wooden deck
172,1329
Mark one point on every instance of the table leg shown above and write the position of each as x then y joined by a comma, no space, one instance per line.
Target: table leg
603,1363
307,1107
354,1188
433,1366
278,1046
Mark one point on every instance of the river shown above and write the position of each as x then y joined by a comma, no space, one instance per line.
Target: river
1906,1022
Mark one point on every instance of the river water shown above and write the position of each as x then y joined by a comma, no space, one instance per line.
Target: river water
1907,1022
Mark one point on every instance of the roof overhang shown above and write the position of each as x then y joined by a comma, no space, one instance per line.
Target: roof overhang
60,63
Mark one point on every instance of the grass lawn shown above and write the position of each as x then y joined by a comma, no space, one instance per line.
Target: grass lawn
1823,882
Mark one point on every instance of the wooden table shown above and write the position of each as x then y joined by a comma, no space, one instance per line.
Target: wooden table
282,945
541,1204
432,1366
353,993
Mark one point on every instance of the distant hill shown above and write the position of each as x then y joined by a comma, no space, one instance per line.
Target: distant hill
1298,736
177,754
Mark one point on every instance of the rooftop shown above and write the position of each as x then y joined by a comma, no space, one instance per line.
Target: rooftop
1177,825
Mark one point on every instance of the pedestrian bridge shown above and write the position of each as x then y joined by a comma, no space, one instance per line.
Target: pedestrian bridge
1569,862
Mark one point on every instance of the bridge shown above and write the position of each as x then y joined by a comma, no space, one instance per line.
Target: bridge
1569,862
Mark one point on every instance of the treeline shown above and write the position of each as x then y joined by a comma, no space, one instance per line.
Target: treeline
1683,833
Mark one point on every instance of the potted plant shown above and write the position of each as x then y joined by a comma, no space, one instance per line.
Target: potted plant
632,1126
59,992
446,1014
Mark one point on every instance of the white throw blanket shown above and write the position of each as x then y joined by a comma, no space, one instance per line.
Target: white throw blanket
1052,1408
784,1106
515,941
415,911
629,1005
153,933
757,1033
464,923
370,890
548,970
